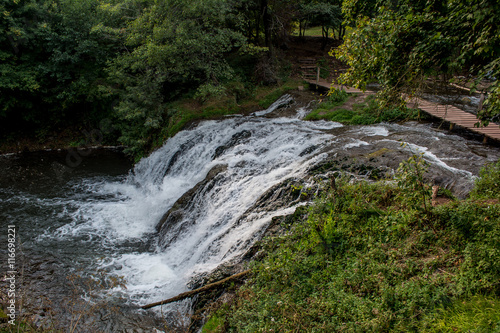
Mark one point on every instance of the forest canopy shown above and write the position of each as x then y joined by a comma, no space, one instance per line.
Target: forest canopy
74,63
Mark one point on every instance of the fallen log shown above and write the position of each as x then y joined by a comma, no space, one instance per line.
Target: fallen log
196,291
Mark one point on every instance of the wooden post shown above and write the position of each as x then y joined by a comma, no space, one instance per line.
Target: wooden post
317,76
485,139
481,101
451,126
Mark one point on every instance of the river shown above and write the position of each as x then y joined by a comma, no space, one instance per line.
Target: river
91,250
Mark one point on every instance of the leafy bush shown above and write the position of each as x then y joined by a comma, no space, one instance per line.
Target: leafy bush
488,183
364,260
209,90
337,96
216,321
410,177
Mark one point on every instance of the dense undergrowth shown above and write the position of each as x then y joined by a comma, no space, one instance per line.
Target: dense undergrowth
366,113
378,257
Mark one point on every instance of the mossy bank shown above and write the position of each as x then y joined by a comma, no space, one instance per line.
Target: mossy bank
378,257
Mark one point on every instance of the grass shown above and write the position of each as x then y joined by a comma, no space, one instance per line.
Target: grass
476,314
366,113
266,97
371,257
312,31
216,322
488,184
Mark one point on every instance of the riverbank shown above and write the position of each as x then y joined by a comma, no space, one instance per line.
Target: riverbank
377,257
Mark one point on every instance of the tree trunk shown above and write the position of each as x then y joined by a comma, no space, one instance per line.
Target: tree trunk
266,17
257,28
324,33
196,291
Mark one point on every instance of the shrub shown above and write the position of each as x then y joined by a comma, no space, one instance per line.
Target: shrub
208,91
337,96
410,178
488,183
365,260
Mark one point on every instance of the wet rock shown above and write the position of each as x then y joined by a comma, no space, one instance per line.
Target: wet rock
466,100
369,168
309,150
235,140
176,213
175,157
378,153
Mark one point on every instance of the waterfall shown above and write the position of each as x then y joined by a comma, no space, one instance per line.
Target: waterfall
209,193
233,162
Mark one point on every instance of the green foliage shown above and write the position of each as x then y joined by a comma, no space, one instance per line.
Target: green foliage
355,9
326,14
51,63
400,59
491,106
324,73
70,64
410,178
216,322
269,98
337,96
402,44
488,183
361,114
207,91
175,47
365,260
475,314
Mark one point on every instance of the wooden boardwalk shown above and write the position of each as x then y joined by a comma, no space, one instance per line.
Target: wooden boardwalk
456,116
448,113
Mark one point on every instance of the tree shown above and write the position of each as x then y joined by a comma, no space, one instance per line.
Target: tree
173,47
406,42
52,62
18,24
326,14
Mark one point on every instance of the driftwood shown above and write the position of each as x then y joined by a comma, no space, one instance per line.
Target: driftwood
196,291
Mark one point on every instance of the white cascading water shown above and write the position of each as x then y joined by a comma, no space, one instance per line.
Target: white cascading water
257,154
212,232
